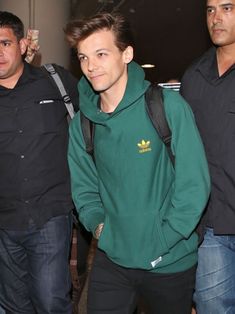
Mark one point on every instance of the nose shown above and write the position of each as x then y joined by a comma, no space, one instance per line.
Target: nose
217,17
91,65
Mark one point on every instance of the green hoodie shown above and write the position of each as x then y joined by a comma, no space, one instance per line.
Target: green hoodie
149,208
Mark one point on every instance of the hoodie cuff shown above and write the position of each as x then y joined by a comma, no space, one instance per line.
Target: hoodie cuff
94,220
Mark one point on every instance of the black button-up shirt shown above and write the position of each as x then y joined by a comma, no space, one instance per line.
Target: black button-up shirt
212,98
34,175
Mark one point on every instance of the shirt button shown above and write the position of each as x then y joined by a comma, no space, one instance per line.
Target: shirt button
22,156
20,131
26,201
26,179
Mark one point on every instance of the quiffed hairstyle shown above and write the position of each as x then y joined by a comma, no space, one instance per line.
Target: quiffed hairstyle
79,30
9,20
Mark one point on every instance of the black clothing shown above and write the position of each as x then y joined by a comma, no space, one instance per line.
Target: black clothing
162,293
84,239
212,98
34,176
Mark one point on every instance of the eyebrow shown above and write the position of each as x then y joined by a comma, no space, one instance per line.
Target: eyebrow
221,5
225,4
97,51
5,41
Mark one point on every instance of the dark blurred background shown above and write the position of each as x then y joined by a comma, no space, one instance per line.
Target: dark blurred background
169,34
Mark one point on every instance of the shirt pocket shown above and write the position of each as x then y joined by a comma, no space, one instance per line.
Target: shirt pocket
231,109
50,113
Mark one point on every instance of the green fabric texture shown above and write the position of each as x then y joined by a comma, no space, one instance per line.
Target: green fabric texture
149,208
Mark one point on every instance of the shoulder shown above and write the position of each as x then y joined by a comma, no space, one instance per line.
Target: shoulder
75,123
176,107
198,62
174,103
69,81
32,72
65,74
173,100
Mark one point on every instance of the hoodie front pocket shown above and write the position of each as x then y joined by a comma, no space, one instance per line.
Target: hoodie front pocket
133,241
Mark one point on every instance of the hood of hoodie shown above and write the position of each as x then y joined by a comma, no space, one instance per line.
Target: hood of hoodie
135,88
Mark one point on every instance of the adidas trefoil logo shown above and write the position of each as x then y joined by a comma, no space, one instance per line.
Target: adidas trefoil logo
144,146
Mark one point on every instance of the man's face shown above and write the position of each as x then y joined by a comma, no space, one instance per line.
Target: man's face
11,51
221,22
104,65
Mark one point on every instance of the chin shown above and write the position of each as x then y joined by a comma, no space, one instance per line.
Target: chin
219,41
99,89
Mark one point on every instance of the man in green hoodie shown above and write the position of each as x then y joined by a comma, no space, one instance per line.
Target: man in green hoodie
141,208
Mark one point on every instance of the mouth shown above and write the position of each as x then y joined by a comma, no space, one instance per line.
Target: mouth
95,77
217,30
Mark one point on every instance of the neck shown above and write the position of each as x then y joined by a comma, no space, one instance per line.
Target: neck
225,58
11,81
108,105
111,98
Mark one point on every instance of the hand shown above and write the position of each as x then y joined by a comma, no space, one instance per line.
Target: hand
98,231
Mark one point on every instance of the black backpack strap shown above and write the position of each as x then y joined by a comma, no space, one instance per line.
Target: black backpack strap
88,129
52,70
156,112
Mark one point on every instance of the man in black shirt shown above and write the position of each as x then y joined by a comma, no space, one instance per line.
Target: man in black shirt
35,199
209,87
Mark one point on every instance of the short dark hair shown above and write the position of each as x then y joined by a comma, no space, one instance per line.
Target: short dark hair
78,30
9,20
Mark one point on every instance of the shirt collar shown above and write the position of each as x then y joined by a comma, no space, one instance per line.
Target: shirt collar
208,67
29,73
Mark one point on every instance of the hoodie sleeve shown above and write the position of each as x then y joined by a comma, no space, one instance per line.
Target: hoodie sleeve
84,179
192,182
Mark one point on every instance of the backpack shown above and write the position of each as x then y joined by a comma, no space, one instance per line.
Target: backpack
154,108
156,112
53,71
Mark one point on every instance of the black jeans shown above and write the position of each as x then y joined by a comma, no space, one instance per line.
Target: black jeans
115,290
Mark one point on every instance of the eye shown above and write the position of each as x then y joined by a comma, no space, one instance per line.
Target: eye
228,8
82,58
101,54
5,43
210,10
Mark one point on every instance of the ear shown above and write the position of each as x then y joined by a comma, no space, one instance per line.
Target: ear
128,54
23,45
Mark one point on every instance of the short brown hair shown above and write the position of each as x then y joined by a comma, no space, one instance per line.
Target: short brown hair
78,30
